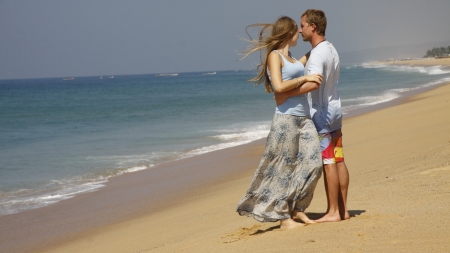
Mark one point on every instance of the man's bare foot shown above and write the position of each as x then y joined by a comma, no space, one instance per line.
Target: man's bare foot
346,216
296,215
290,224
329,218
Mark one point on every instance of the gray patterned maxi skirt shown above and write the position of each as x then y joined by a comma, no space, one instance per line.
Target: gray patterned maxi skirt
287,173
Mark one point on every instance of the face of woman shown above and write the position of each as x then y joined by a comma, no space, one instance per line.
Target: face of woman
293,41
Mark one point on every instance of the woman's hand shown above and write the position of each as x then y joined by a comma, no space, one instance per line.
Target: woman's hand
317,78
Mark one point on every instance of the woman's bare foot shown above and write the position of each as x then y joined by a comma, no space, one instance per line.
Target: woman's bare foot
290,224
296,215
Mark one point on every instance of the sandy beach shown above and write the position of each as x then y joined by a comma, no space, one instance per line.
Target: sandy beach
399,197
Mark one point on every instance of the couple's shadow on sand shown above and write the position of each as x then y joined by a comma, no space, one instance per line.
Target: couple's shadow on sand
312,216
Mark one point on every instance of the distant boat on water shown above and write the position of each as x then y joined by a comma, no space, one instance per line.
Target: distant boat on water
68,78
101,77
209,73
160,75
111,77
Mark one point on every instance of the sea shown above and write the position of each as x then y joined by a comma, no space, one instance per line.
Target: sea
60,137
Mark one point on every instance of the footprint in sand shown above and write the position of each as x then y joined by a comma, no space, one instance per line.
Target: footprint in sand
241,234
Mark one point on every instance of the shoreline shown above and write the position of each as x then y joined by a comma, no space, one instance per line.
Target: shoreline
123,198
127,200
388,197
99,183
394,102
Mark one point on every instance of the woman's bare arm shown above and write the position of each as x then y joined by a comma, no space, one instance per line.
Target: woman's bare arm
304,88
274,63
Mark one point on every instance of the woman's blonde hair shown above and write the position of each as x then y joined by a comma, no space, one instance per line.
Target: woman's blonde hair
271,37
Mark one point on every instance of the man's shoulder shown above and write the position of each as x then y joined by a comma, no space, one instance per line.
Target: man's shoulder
325,51
324,47
317,55
332,48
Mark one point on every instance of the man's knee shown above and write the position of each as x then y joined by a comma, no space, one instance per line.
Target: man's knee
330,167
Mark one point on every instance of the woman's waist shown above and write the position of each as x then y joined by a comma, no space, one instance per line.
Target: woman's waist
297,105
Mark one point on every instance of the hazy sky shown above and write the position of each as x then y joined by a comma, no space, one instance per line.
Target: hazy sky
65,38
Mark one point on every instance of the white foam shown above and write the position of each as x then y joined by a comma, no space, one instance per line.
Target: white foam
234,136
370,65
432,70
207,149
254,135
359,102
58,190
365,101
134,169
352,67
124,160
18,201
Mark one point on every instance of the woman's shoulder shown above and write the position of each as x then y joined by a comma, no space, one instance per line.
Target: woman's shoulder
274,52
275,56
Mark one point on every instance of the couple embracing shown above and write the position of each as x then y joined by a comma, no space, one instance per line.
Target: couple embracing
305,138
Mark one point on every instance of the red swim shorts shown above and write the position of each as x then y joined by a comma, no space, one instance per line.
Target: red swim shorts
331,145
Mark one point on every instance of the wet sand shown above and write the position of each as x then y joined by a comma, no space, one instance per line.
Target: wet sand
399,198
125,198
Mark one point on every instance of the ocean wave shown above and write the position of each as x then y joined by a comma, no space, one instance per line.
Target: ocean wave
24,199
134,169
431,70
58,190
370,65
364,101
235,135
251,134
231,136
359,102
352,67
122,160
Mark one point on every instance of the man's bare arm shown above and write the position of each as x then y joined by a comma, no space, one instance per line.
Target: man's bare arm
305,58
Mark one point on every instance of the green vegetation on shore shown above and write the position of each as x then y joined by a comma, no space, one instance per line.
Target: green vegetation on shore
438,51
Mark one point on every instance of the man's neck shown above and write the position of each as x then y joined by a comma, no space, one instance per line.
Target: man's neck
316,40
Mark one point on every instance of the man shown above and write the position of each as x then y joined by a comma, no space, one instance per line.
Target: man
326,112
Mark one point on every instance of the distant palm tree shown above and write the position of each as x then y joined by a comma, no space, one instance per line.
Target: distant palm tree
438,51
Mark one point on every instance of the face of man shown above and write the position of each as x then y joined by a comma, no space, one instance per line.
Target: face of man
305,29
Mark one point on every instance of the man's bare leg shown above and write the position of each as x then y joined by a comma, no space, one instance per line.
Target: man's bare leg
296,215
344,180
326,190
331,179
290,224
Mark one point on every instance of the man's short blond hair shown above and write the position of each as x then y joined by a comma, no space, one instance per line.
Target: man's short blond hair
318,18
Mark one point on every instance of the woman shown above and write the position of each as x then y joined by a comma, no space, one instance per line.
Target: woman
284,182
